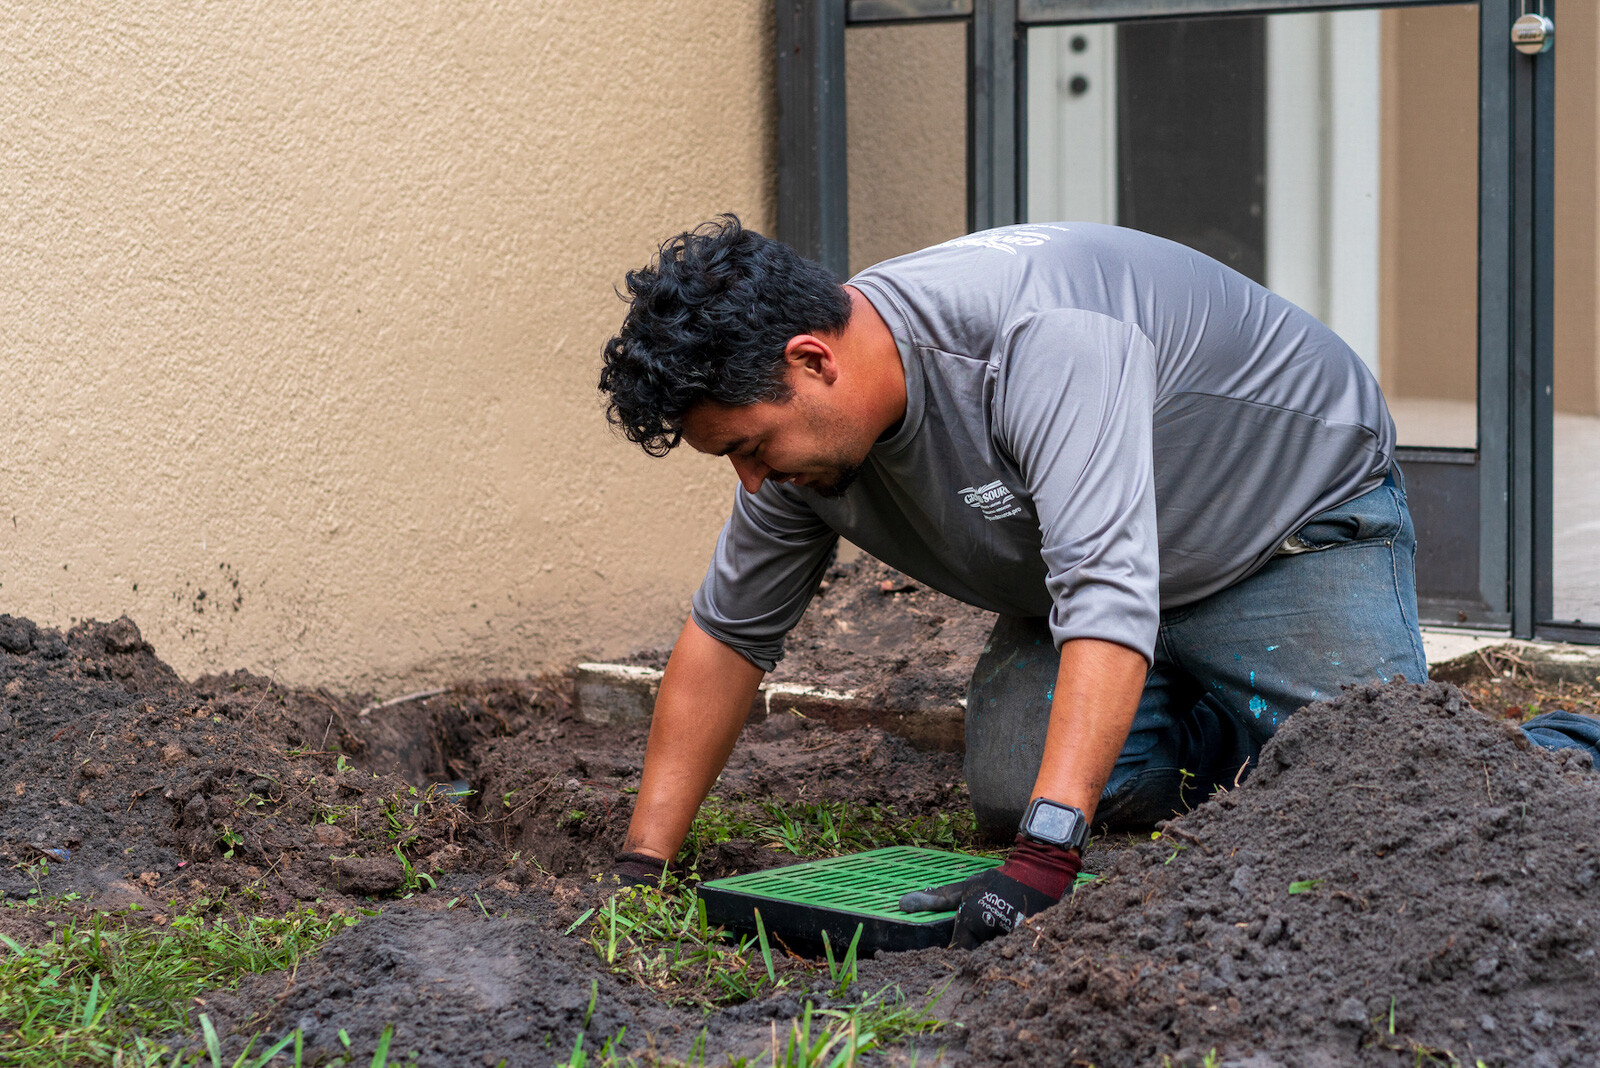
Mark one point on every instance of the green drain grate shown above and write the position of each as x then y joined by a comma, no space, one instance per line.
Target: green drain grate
801,901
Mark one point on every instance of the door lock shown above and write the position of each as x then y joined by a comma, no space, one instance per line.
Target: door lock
1533,34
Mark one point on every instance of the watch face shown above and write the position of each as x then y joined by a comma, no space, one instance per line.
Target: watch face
1052,823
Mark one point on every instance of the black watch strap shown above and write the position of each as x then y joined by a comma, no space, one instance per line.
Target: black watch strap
1055,824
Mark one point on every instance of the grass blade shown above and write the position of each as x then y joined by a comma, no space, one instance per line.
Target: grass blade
261,1061
611,943
213,1047
766,950
89,1015
238,1062
380,1056
847,970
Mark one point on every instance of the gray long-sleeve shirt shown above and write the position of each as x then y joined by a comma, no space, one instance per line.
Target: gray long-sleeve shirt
1100,424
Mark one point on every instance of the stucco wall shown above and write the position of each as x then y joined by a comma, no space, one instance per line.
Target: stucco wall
301,315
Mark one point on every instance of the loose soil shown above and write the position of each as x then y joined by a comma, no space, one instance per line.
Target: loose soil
882,635
1403,878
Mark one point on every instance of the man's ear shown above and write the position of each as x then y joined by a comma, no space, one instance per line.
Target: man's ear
809,354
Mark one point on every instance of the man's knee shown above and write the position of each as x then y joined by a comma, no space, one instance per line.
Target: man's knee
1008,713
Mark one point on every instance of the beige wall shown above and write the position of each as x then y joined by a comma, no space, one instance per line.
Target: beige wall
302,307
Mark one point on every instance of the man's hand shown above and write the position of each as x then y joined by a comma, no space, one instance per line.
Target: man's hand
992,903
638,869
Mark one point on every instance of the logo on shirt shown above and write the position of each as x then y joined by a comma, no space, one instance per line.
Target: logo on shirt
995,501
1007,238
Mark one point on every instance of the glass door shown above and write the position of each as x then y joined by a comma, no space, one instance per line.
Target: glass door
1389,166
1574,608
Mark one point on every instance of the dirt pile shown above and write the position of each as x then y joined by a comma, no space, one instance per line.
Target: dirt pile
125,784
466,988
1401,879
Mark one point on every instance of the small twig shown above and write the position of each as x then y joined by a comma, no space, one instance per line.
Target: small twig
792,954
1179,832
1239,775
391,702
994,976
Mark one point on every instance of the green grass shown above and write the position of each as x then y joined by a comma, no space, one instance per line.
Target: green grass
661,940
819,1038
106,991
812,829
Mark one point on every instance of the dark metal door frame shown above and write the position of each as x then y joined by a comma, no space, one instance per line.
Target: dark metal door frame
1513,460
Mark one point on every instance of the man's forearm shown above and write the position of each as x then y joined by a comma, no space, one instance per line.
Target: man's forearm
1096,695
704,699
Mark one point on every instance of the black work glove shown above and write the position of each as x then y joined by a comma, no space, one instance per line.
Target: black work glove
994,902
638,869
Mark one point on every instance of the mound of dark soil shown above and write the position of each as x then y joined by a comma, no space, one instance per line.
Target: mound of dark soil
129,786
463,988
566,786
1401,879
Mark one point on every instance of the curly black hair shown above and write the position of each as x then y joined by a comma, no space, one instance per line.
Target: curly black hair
709,320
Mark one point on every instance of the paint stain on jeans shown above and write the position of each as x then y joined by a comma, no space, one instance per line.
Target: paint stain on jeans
1258,705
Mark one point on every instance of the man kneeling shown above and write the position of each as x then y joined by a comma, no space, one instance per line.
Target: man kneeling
1176,488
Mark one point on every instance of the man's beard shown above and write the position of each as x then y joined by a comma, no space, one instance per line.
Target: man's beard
839,484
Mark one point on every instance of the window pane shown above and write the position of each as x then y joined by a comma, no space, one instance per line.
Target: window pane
1331,156
1577,319
907,140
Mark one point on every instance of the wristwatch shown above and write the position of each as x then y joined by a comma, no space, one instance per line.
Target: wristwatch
1055,824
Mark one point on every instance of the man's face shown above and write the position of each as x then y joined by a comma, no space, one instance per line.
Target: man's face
803,440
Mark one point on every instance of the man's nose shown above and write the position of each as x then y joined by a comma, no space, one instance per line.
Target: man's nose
751,472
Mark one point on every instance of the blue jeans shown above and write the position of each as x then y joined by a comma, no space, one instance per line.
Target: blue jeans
1566,730
1339,609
